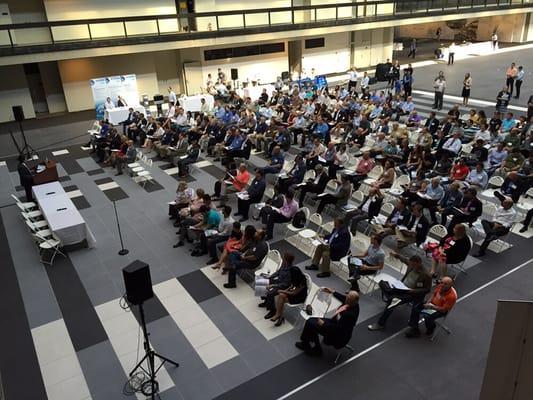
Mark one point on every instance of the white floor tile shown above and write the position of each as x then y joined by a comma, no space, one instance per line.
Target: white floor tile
86,147
73,388
61,369
74,193
60,152
108,185
3,164
194,323
172,171
167,289
203,163
216,352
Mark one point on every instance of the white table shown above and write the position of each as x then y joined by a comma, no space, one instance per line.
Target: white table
64,219
119,114
193,103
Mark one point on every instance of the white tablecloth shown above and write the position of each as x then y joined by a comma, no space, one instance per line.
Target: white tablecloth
119,114
193,103
64,219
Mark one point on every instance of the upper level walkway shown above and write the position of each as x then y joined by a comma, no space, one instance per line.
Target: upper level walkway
59,36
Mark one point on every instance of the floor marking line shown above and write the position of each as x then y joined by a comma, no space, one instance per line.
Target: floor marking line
362,353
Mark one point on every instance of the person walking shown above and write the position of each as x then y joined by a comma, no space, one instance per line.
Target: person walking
467,84
518,81
352,82
412,49
451,53
439,85
494,39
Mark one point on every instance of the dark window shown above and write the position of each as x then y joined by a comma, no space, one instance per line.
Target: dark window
244,51
313,43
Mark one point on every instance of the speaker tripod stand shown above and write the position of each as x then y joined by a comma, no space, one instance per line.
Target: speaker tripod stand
150,386
27,151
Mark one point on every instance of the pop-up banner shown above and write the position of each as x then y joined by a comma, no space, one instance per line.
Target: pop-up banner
124,86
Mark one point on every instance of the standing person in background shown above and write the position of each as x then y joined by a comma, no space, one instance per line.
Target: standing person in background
352,82
451,53
26,177
412,49
518,81
510,76
439,85
171,96
438,33
494,38
365,81
502,100
467,84
407,82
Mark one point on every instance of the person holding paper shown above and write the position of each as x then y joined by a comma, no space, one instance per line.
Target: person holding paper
337,330
333,247
190,158
368,209
183,199
295,293
253,195
295,176
339,198
316,186
280,215
412,288
415,231
368,263
233,181
441,302
452,249
452,198
400,216
468,211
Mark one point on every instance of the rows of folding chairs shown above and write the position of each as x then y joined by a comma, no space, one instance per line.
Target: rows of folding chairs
140,169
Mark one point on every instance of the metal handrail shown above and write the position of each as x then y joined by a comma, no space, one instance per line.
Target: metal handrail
370,13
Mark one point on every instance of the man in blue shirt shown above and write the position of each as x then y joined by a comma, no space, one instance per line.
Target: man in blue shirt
276,162
321,128
508,123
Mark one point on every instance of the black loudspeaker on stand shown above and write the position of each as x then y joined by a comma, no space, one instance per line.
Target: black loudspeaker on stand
27,151
138,285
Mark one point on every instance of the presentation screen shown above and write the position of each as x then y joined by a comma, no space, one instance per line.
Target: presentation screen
124,86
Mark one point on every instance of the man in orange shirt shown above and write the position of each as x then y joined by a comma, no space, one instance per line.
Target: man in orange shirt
510,74
440,304
231,183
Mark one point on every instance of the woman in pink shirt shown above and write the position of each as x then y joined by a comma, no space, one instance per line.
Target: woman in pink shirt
281,215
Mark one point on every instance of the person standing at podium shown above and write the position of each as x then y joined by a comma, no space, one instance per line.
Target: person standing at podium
26,177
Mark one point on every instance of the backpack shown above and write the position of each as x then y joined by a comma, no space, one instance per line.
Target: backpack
299,219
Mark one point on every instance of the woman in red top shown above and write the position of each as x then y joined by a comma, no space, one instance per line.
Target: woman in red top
459,171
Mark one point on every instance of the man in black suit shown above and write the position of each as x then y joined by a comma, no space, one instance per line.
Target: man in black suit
417,228
336,330
254,195
318,185
335,246
368,209
26,177
468,211
432,123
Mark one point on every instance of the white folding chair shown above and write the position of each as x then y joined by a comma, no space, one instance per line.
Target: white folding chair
494,183
320,302
440,325
46,245
300,306
306,236
270,264
26,206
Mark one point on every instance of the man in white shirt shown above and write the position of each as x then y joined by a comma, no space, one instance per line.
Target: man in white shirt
518,80
204,107
352,79
453,145
109,105
171,95
451,53
365,81
501,223
439,85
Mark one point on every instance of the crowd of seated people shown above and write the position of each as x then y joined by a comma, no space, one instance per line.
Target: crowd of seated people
343,137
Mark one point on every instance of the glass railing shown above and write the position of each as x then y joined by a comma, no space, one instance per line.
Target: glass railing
63,35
